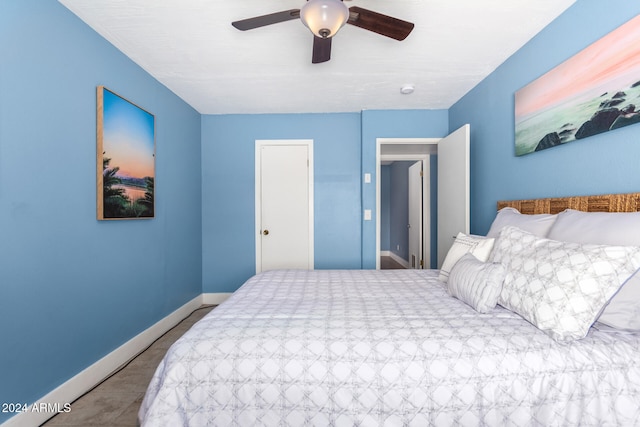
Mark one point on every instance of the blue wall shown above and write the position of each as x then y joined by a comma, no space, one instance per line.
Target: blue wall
72,288
228,198
605,163
342,142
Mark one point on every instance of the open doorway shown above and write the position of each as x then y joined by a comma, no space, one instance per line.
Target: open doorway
401,239
446,179
401,214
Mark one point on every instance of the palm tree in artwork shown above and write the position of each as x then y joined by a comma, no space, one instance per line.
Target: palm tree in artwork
114,199
148,200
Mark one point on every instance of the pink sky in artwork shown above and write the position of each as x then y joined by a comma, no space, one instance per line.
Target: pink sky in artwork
613,57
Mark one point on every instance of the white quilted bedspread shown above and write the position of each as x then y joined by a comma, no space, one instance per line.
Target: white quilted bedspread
384,348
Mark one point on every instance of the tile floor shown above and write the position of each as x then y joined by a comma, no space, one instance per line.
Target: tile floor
115,402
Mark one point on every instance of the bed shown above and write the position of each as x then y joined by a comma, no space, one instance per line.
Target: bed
425,347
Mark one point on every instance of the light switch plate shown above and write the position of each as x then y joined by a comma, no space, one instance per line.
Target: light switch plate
367,214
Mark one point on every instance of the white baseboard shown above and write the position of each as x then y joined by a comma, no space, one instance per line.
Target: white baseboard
396,258
100,370
216,299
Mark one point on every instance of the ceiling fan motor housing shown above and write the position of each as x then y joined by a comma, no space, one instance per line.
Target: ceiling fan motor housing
324,17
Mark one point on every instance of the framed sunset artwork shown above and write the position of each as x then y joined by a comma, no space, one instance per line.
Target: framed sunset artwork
595,91
125,159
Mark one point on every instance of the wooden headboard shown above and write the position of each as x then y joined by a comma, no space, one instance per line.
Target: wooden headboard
629,202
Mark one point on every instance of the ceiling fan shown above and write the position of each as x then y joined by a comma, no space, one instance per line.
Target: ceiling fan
325,17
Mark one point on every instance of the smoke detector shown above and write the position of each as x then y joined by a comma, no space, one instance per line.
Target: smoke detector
406,89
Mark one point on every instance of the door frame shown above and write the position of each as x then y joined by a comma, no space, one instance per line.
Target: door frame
259,143
402,155
416,196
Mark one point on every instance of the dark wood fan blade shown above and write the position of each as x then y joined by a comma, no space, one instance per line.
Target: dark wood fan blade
321,50
379,23
261,21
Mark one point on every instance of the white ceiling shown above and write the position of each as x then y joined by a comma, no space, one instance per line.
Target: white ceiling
191,47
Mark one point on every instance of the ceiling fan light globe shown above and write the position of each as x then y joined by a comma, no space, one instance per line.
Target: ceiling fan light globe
324,17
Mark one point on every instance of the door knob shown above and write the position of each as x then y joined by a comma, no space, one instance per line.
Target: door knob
265,232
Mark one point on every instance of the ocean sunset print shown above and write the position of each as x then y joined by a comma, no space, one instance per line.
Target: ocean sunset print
595,91
126,163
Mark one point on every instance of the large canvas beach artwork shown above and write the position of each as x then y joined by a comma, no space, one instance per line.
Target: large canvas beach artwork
125,158
595,91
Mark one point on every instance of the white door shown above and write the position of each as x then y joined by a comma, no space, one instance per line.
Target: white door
415,215
284,205
453,189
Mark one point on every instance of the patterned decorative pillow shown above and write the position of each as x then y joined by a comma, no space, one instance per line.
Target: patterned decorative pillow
476,283
607,228
479,246
560,287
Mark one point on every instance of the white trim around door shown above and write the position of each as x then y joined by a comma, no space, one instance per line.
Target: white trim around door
406,149
258,196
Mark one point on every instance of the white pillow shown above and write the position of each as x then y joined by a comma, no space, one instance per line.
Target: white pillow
538,224
607,228
479,246
476,283
560,287
603,228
